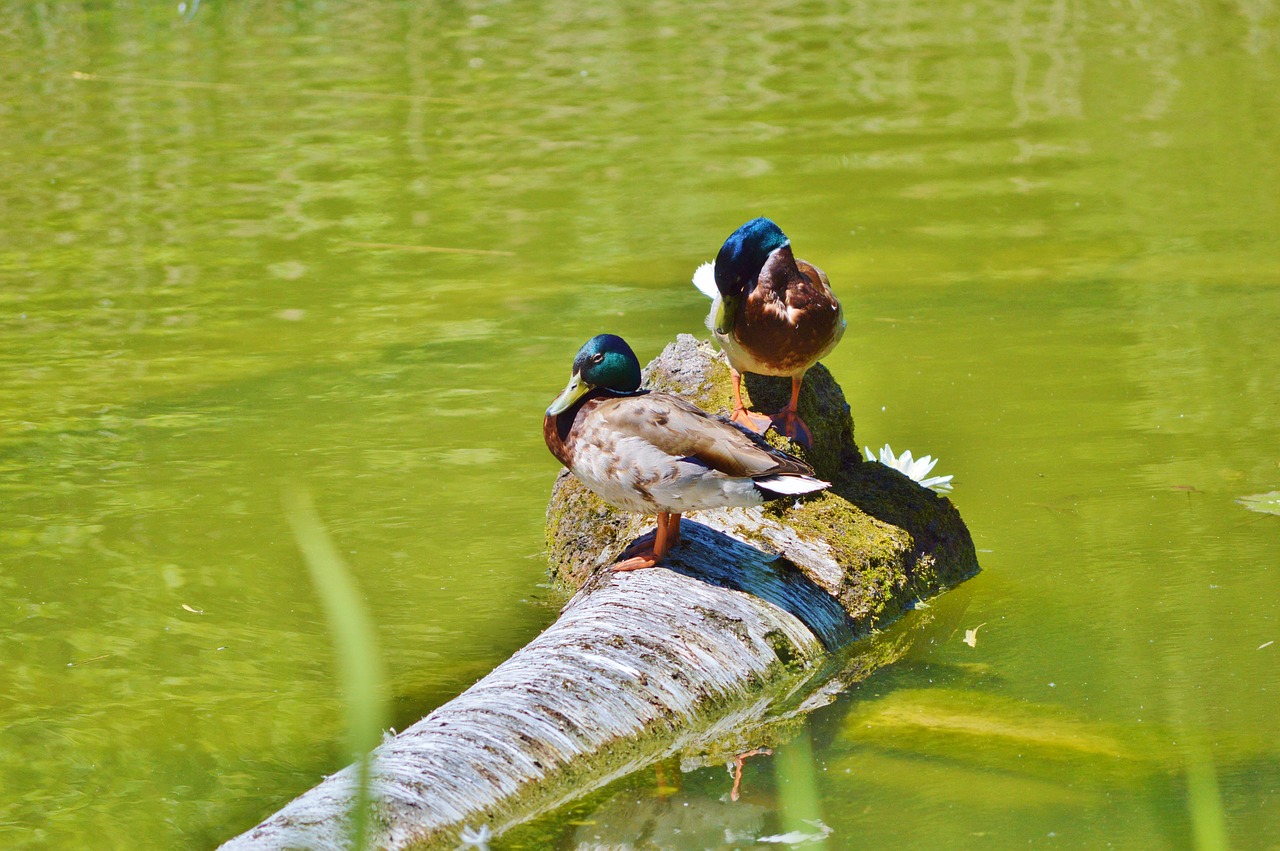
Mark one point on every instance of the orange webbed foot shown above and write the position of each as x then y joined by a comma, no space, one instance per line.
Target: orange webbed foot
654,549
636,562
759,423
638,556
788,422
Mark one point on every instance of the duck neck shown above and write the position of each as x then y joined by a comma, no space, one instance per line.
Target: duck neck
557,429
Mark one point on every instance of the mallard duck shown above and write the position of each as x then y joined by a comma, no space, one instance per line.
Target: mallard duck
655,453
772,314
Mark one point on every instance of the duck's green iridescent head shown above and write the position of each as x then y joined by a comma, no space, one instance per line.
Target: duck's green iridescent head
739,262
603,361
744,253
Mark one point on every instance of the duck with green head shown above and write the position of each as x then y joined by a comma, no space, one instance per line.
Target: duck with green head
773,314
655,453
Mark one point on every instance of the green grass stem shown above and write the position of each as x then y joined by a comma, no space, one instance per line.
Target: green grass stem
361,672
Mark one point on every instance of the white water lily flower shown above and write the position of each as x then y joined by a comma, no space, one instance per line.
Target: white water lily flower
473,838
915,469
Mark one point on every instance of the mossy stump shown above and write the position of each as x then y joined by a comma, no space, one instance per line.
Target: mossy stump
874,542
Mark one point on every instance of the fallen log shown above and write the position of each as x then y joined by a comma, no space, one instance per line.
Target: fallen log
749,626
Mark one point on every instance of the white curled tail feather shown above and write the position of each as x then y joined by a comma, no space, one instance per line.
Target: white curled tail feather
790,485
705,280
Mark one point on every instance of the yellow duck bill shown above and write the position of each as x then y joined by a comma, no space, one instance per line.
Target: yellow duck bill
573,391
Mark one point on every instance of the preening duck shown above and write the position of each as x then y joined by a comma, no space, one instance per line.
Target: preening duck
656,453
772,313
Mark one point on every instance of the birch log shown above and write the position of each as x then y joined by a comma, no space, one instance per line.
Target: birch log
701,658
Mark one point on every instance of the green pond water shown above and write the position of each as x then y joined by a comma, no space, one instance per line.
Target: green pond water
355,245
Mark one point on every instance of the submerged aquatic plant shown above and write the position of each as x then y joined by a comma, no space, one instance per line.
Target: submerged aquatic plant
914,469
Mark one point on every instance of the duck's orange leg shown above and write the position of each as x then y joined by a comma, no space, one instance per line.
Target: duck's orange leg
665,537
788,422
759,423
647,555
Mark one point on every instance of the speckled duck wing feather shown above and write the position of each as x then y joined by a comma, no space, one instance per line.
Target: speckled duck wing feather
682,430
814,312
815,292
817,279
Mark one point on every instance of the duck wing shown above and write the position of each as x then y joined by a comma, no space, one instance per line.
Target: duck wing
814,309
683,430
819,287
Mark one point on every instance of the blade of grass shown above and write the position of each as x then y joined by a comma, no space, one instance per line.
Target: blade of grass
359,662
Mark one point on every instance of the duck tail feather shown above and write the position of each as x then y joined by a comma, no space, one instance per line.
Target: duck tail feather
788,485
705,280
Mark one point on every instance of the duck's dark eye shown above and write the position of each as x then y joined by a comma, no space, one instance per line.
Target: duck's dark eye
598,357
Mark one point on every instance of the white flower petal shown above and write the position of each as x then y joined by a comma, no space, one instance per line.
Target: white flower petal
924,466
916,469
938,483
